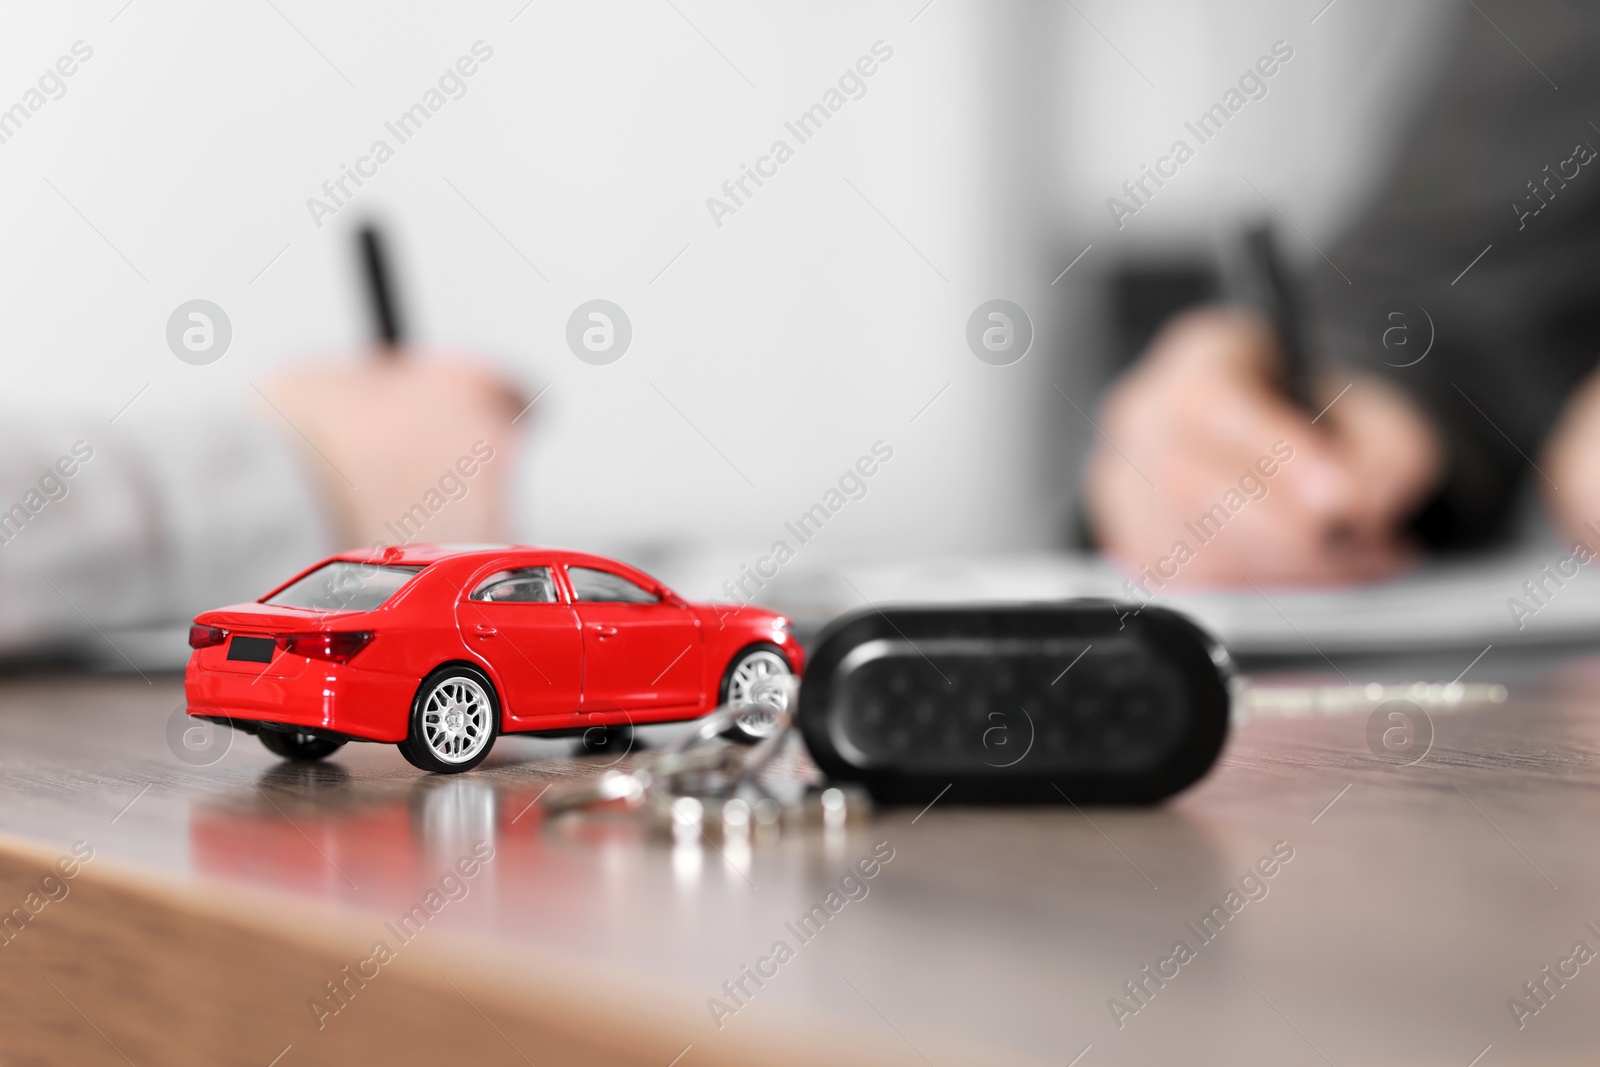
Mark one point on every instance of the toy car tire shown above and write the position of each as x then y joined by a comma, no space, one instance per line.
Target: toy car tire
455,719
299,747
615,740
752,663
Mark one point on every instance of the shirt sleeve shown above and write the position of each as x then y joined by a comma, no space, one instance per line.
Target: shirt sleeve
106,528
1488,219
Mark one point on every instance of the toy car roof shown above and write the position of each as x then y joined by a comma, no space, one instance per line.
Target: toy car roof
423,553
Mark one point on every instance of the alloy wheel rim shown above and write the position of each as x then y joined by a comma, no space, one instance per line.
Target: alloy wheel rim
455,720
759,710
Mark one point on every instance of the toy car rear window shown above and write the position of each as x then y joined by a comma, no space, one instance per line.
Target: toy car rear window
344,586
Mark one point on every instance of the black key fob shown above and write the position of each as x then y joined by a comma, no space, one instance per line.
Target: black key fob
1086,700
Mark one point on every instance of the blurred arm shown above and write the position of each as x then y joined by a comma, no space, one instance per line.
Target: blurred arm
107,527
161,520
1470,187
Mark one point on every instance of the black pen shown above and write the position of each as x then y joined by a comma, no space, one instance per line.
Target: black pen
1278,299
386,325
1276,295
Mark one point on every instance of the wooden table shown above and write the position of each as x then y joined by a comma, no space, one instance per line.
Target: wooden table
222,897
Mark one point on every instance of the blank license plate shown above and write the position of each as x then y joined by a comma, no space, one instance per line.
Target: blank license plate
252,649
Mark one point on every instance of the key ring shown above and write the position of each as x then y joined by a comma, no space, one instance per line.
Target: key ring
703,786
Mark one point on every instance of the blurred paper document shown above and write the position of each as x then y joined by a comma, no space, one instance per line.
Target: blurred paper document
1526,596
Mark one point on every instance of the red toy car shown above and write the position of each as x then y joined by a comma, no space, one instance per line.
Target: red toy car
440,649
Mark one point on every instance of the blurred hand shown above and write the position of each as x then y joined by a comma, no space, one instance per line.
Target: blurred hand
1195,425
410,449
1571,460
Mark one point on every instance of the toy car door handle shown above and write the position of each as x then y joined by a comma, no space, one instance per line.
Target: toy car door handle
603,630
484,630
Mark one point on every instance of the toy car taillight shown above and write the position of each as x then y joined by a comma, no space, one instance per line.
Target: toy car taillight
336,647
206,636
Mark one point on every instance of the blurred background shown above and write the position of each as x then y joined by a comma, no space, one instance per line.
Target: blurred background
822,316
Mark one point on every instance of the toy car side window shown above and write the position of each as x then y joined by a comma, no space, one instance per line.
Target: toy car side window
524,585
597,586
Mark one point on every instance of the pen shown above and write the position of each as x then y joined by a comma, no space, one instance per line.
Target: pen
1278,299
381,303
1275,293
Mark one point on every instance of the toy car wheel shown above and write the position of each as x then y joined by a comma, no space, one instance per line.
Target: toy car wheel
304,747
454,721
742,685
616,740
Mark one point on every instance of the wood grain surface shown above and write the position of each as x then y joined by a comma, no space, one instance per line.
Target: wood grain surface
1409,901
